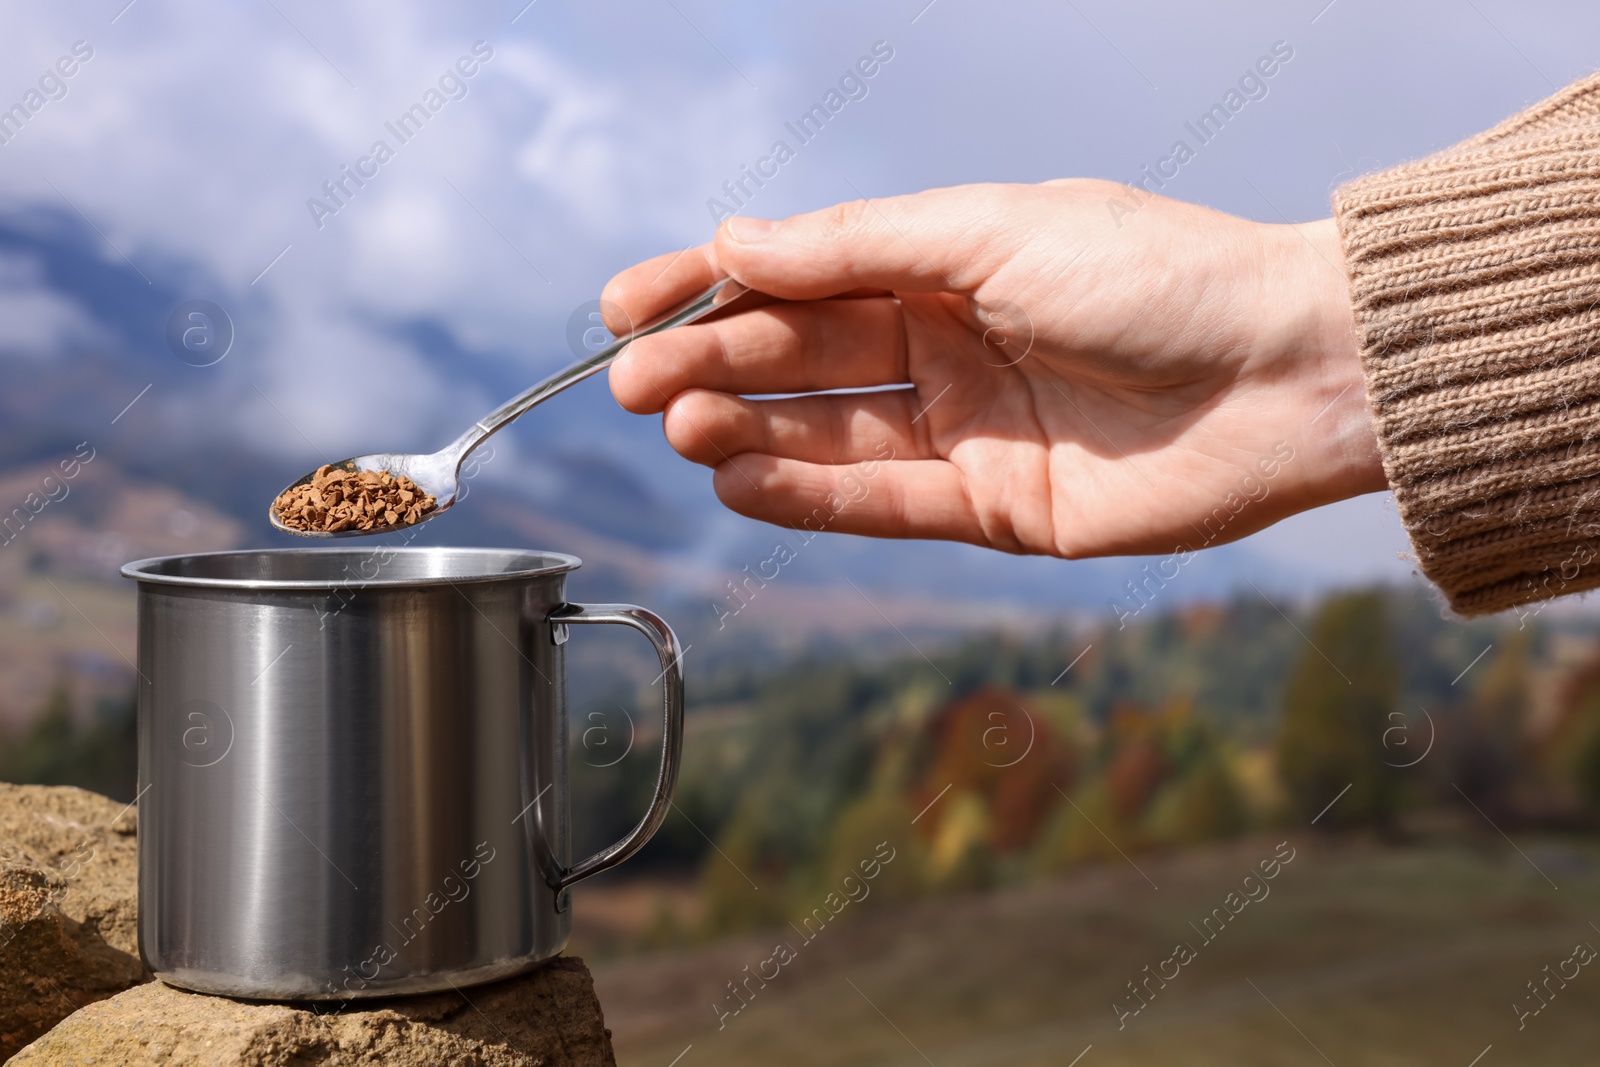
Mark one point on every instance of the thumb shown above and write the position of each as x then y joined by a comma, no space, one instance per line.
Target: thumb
944,240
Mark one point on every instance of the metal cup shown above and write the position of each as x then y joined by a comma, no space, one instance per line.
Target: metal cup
353,767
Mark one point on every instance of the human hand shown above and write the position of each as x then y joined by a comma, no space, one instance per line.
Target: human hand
1079,382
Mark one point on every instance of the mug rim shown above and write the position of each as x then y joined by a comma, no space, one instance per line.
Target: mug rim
147,570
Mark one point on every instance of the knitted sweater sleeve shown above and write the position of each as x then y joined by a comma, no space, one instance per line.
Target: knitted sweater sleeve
1475,277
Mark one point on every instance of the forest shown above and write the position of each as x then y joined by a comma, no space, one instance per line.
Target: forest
1014,758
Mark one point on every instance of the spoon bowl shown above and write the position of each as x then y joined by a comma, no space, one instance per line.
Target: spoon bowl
439,473
435,473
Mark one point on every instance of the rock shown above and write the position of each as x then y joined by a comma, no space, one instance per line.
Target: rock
548,1018
69,941
68,905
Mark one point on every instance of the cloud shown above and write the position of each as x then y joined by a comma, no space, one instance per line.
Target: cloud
194,137
36,321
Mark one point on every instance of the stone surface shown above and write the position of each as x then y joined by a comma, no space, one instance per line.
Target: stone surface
68,900
549,1018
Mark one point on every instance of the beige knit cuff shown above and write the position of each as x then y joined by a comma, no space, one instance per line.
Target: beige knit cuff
1475,275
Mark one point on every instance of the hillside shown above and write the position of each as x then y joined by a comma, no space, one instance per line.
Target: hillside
1359,955
579,475
66,618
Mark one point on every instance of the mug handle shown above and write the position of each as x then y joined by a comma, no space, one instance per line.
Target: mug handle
665,641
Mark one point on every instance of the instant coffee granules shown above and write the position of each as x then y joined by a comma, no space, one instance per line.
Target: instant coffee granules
337,499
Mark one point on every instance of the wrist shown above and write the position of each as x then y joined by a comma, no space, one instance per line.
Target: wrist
1335,436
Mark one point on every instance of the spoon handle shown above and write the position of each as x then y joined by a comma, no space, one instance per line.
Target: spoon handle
726,295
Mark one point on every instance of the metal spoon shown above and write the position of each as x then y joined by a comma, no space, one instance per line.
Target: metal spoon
438,473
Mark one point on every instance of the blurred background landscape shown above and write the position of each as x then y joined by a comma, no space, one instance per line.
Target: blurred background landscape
1068,786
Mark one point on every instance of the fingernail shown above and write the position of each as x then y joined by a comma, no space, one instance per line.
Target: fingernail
748,231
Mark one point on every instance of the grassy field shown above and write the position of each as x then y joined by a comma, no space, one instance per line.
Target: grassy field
1360,954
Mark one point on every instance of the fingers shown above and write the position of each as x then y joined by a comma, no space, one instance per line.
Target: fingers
709,428
645,290
941,240
915,498
785,348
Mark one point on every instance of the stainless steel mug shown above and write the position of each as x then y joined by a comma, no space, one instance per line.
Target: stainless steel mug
352,767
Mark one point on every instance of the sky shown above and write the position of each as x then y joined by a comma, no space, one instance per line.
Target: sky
195,140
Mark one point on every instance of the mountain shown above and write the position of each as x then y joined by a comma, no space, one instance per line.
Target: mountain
89,362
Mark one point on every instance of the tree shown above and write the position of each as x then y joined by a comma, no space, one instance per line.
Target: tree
1138,760
992,746
743,880
1086,829
1489,748
1204,805
96,752
875,819
1574,745
1337,704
